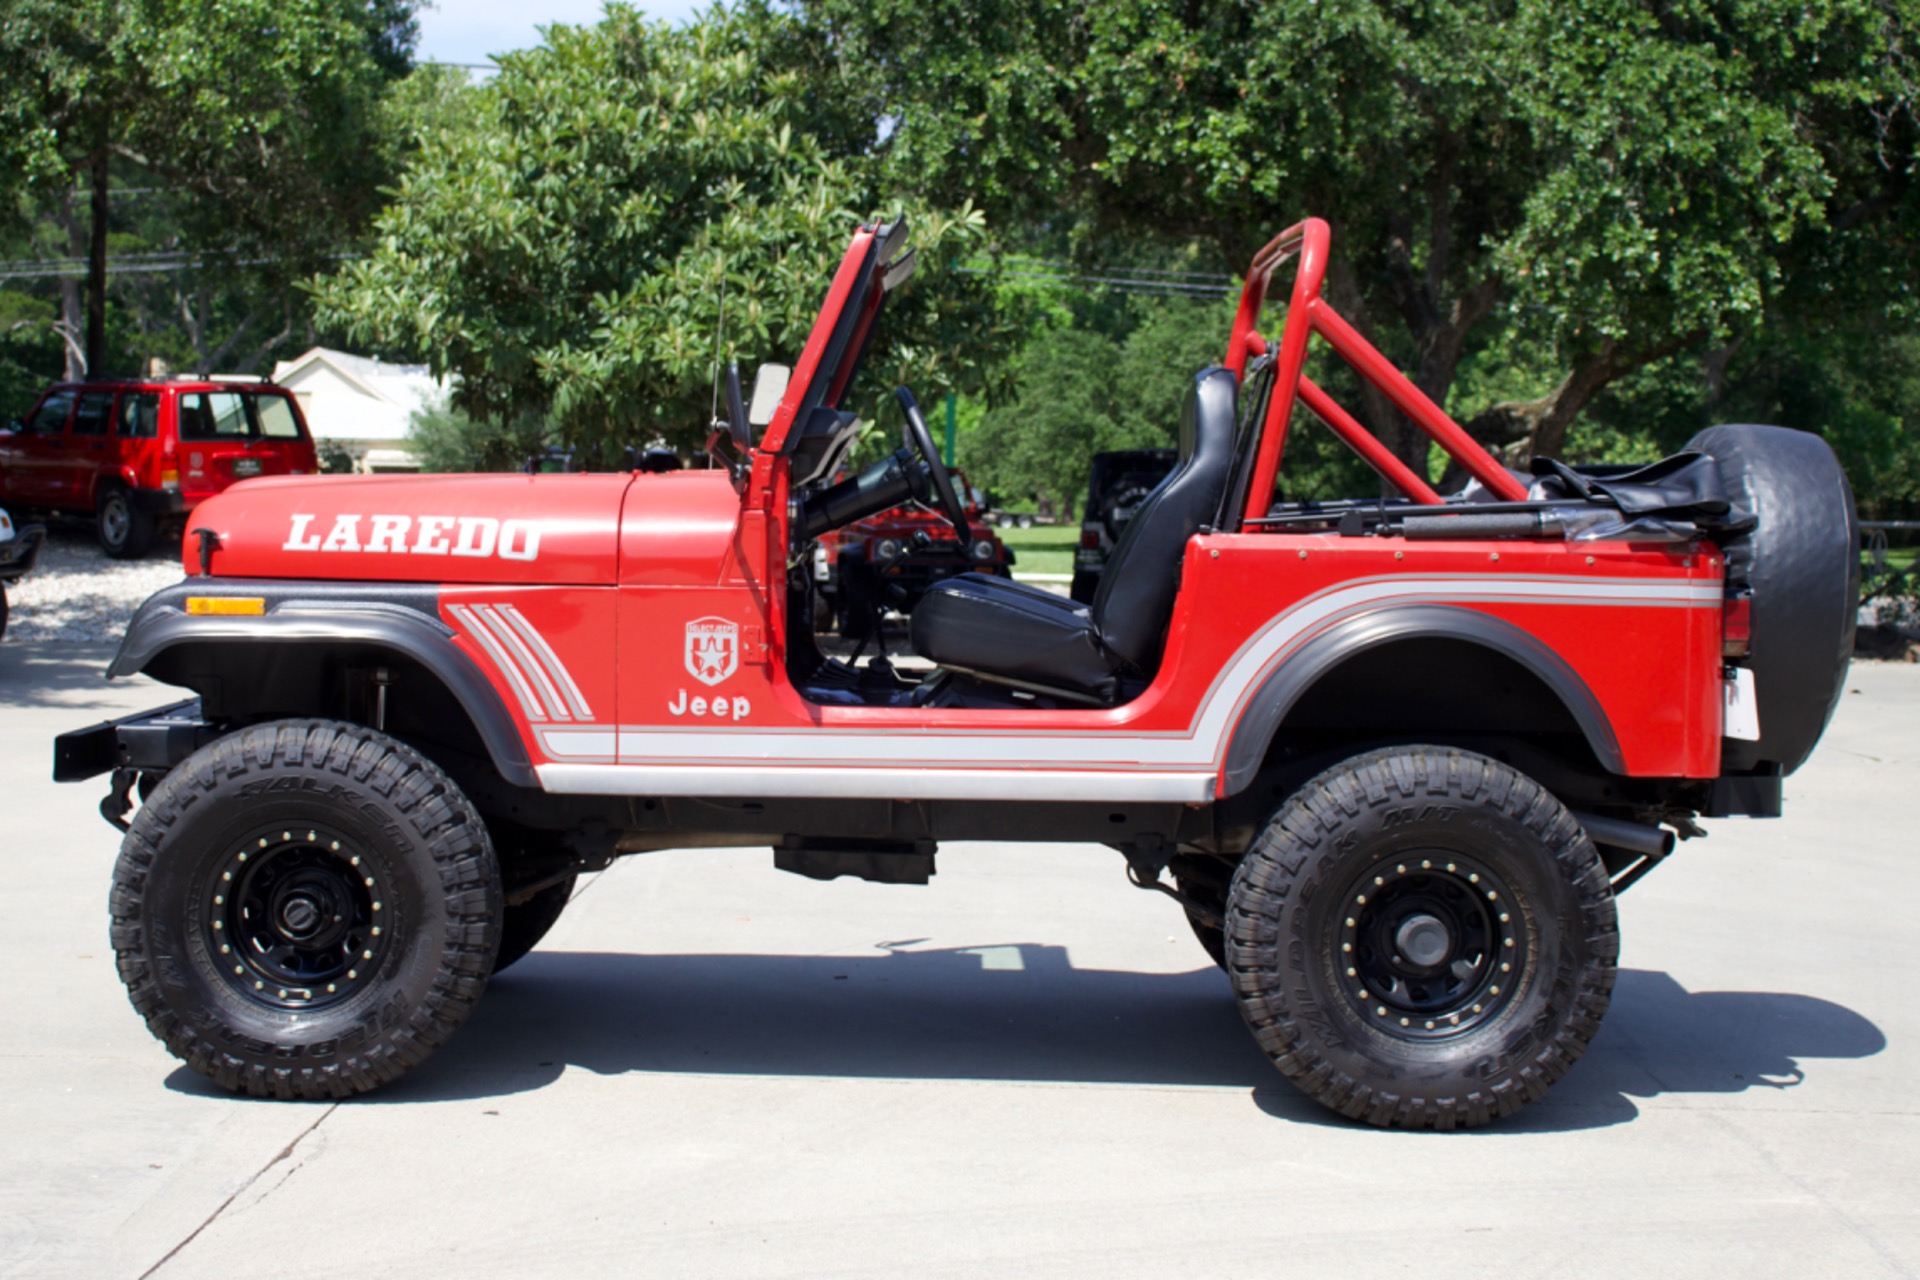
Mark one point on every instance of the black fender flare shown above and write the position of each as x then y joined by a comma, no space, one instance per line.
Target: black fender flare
1267,709
400,619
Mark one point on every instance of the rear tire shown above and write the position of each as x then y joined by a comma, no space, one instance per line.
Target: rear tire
1802,563
1422,938
125,531
305,909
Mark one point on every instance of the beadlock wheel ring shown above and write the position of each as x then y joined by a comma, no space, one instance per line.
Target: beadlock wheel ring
1430,945
295,918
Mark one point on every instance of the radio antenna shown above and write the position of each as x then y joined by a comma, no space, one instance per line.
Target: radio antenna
719,346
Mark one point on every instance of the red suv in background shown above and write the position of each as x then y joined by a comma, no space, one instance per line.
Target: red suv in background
140,454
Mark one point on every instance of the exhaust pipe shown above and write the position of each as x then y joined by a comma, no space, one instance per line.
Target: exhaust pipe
1653,844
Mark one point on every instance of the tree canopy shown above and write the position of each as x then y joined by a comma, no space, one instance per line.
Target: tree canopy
253,117
629,203
1620,179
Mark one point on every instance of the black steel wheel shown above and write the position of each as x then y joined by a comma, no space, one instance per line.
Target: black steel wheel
1422,938
305,909
297,916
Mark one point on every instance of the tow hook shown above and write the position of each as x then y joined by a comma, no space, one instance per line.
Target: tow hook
119,798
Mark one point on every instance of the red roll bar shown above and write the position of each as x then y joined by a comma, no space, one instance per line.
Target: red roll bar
1308,314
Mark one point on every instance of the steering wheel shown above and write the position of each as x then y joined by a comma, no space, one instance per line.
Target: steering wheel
921,439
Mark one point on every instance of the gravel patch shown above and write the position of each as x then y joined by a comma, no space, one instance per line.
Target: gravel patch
76,593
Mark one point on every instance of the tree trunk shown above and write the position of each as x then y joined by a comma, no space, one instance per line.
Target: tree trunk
97,266
72,302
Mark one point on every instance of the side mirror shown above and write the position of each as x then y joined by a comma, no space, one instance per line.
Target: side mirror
769,385
14,424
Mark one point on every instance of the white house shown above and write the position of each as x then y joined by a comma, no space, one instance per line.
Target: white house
360,405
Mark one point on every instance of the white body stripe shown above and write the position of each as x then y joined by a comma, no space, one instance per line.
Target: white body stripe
548,659
914,762
526,660
550,696
529,703
1018,783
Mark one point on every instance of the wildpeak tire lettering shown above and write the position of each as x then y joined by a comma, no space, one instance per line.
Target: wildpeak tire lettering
473,536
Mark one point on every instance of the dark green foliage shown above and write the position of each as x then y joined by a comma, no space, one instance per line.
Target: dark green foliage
567,251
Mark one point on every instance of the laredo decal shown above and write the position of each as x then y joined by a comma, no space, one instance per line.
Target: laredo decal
433,536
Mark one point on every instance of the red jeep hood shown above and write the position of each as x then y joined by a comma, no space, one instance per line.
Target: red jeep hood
558,529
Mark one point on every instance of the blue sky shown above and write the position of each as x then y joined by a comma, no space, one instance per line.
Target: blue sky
466,31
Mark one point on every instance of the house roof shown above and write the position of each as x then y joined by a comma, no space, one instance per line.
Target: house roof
404,386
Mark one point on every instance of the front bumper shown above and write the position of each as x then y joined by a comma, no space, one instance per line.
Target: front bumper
153,740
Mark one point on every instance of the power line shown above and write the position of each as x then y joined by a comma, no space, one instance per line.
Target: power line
134,264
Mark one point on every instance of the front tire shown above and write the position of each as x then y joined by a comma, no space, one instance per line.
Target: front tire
305,909
1422,938
524,925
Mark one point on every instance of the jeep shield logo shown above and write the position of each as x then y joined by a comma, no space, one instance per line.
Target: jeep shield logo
713,649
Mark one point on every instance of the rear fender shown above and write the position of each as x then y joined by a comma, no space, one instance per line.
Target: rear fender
1267,710
400,619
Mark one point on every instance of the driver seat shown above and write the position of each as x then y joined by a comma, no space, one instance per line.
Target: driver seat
1009,633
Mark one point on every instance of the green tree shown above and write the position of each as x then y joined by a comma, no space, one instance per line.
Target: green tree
1619,179
571,250
1079,391
256,116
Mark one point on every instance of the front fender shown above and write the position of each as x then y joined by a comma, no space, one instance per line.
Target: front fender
403,619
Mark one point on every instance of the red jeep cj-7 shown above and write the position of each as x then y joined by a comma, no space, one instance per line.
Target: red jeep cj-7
1393,757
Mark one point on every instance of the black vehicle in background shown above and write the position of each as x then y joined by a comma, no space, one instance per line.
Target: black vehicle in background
1116,486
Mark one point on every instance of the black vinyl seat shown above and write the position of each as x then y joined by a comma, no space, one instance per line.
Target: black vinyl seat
1020,635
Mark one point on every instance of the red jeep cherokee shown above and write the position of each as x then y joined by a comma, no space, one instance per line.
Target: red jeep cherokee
1393,758
137,455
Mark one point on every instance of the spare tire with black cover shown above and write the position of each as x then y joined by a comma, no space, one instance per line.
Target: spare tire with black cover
1801,561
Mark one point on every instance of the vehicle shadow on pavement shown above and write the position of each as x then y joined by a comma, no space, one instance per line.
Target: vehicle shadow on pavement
1661,1039
1022,1012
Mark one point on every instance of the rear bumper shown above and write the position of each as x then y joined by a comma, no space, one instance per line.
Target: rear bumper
148,740
164,502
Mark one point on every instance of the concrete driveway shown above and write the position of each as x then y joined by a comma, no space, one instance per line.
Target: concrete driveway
1027,1068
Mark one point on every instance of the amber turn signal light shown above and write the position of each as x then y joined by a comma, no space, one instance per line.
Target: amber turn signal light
204,606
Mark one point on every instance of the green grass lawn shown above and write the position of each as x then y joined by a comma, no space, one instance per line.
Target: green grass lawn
1045,548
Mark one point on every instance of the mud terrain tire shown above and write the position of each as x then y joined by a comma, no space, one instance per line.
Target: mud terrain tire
1802,563
1466,866
305,909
